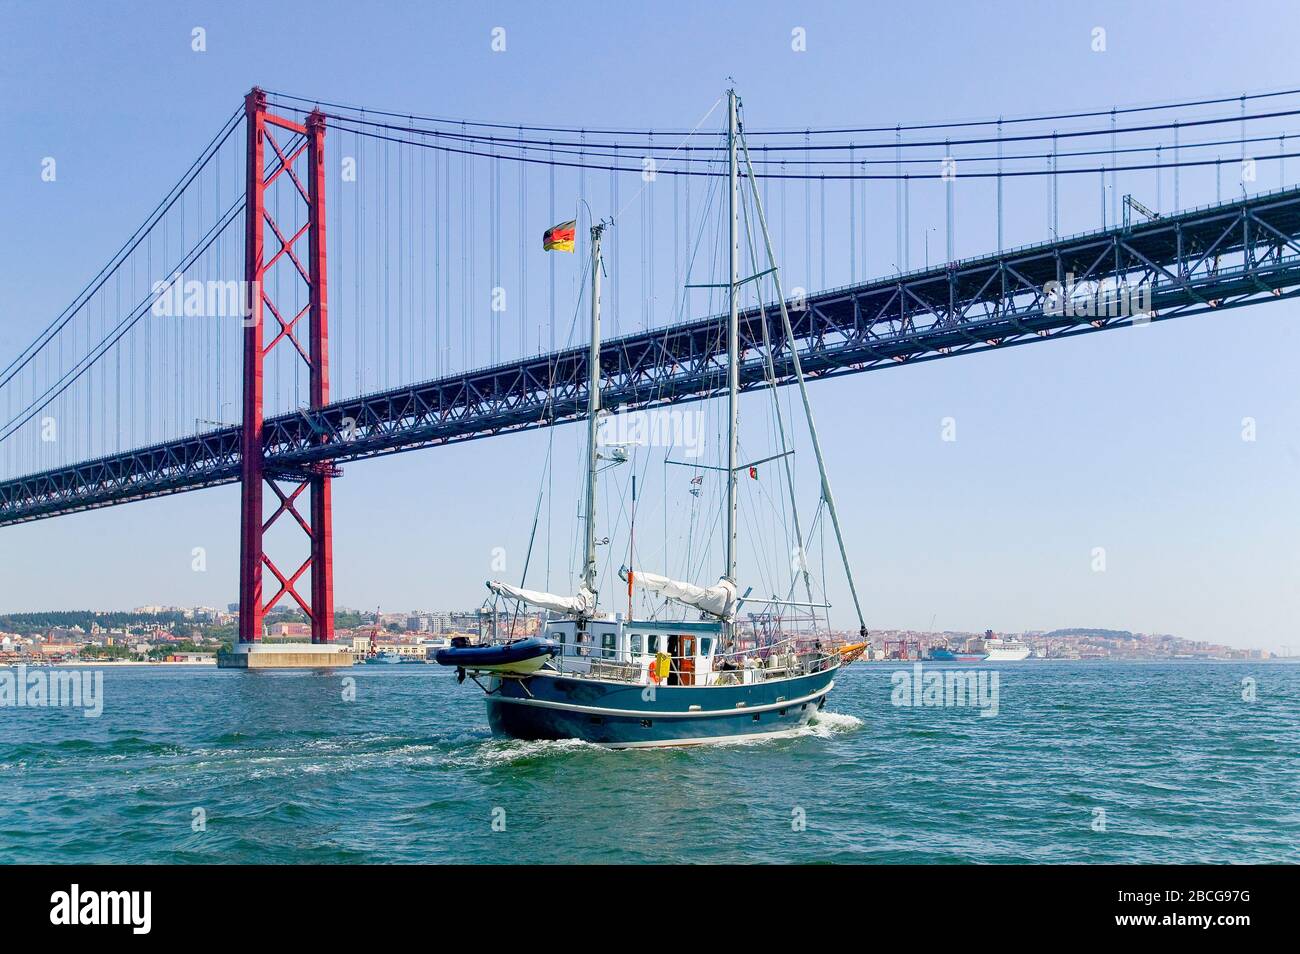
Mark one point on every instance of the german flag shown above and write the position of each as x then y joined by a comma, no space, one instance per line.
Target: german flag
559,238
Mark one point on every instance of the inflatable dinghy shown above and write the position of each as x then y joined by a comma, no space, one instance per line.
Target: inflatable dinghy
521,657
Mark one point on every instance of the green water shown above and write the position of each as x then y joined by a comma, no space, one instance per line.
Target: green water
286,769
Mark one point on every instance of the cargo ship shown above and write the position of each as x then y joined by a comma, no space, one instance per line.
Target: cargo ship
944,654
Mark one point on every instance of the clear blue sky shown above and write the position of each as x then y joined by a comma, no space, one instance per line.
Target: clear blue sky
1127,440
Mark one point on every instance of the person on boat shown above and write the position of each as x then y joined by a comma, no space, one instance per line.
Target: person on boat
660,669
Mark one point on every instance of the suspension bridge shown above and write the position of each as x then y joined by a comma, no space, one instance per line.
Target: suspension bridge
128,394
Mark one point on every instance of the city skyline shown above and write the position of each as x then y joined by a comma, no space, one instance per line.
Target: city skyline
457,616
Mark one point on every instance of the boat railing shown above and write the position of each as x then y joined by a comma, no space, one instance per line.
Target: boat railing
723,668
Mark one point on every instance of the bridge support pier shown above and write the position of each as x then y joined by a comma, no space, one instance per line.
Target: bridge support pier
276,165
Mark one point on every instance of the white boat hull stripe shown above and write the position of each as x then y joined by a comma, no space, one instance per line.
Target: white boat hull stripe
704,740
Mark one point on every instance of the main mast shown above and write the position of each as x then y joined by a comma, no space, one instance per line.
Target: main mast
733,337
589,573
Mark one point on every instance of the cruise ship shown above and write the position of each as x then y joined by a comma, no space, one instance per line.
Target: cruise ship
998,649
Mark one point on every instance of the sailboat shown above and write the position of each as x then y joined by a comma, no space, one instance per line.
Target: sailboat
625,682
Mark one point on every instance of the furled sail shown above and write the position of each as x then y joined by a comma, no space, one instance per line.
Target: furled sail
718,600
584,604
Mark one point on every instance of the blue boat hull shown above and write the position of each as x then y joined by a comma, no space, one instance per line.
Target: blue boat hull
547,706
948,655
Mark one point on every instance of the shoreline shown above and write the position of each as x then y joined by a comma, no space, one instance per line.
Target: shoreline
87,662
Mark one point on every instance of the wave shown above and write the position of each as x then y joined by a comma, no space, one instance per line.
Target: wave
494,752
832,723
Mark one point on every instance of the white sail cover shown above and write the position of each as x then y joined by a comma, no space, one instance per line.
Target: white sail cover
718,599
584,604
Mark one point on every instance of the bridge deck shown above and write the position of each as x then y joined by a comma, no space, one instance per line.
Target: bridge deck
1212,258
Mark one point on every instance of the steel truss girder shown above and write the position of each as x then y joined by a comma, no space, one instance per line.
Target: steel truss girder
1211,259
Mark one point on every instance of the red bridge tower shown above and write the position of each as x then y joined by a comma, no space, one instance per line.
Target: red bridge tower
269,162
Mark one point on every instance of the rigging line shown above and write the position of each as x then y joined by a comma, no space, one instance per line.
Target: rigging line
760,552
645,469
709,197
1139,108
776,399
660,389
614,525
1079,170
894,144
573,321
681,146
87,361
127,248
549,409
550,504
795,363
532,536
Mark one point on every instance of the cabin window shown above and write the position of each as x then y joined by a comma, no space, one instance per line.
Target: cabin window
652,646
706,645
636,644
607,645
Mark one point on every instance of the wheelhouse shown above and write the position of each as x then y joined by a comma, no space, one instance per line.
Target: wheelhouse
630,650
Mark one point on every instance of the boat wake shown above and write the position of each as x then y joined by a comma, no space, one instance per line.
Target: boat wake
826,724
495,752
